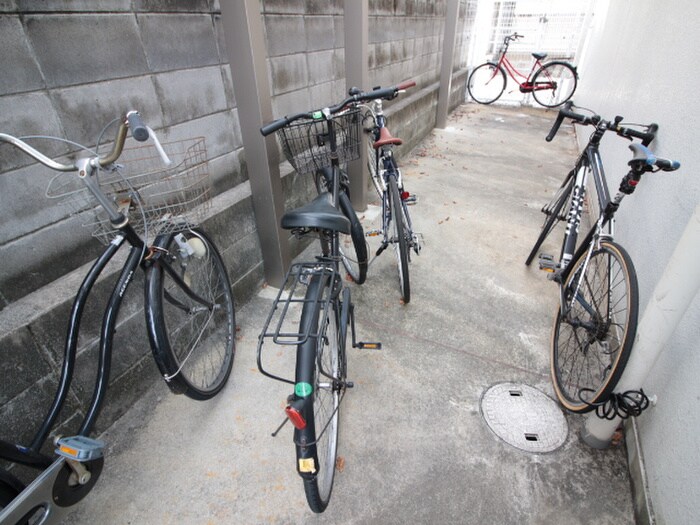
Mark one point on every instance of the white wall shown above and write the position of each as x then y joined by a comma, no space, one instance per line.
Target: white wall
642,63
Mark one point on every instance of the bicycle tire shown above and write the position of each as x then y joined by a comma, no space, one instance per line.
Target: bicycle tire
398,238
592,343
323,420
353,247
566,78
553,215
194,346
373,156
485,85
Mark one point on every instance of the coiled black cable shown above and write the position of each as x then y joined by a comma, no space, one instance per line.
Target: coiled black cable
622,405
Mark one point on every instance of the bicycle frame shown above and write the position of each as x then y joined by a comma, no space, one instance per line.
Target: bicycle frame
386,167
513,72
526,85
589,160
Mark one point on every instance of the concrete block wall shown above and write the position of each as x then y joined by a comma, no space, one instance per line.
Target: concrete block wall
76,65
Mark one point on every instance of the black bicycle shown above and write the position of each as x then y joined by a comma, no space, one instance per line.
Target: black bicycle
189,307
596,321
397,228
313,309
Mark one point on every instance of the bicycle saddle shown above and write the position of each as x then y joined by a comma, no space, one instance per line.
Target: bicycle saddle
539,56
386,138
318,214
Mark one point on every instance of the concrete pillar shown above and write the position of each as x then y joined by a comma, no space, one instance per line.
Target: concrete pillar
448,53
356,20
245,42
672,296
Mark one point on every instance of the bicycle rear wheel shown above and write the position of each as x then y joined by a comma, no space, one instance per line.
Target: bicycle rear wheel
554,84
486,83
190,314
327,390
399,231
554,212
592,339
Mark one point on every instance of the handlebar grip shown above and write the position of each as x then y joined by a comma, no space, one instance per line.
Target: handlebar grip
557,123
138,129
274,126
405,85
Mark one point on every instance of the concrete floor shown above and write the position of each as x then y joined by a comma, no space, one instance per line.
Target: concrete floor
416,448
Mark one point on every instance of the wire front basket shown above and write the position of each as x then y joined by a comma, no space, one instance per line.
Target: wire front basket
156,198
306,143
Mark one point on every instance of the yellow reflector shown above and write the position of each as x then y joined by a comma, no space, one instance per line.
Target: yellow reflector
371,346
307,465
69,451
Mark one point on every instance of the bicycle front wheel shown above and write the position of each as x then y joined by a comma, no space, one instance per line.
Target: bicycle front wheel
353,247
593,335
190,314
486,83
327,390
554,84
399,229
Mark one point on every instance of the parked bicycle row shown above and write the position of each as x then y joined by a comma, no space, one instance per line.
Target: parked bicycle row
190,312
189,306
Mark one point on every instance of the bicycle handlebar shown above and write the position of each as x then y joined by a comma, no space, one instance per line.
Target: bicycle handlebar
355,96
131,120
596,120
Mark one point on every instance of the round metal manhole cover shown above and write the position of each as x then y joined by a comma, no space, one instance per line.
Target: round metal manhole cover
524,417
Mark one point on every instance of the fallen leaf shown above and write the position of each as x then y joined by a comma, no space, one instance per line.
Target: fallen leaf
340,463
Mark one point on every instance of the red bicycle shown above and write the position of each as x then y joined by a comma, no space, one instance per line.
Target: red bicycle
551,84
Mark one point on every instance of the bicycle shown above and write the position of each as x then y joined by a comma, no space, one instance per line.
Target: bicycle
190,314
596,321
323,138
397,228
551,84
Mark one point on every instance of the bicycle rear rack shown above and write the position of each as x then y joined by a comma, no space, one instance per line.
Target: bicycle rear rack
283,329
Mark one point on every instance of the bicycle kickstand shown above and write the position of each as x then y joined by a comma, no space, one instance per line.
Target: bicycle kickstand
360,344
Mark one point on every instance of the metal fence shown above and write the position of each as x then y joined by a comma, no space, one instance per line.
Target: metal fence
556,27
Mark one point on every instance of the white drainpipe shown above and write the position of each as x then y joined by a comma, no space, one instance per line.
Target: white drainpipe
671,298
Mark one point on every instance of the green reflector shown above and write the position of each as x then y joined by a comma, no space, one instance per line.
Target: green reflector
317,115
303,389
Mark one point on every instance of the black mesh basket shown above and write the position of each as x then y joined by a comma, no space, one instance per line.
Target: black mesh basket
306,143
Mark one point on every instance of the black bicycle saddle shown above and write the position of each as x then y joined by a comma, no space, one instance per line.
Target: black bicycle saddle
318,214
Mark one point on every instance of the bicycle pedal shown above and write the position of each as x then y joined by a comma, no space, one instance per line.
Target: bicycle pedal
373,233
411,200
547,263
80,448
349,384
368,346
